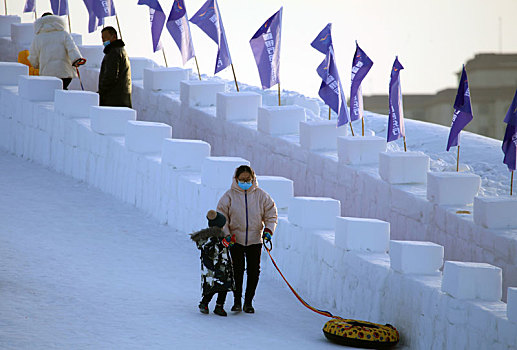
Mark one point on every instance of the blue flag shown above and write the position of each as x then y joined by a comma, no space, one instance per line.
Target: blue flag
323,41
265,45
462,111
510,136
178,27
157,17
30,6
361,65
396,127
208,19
331,91
59,7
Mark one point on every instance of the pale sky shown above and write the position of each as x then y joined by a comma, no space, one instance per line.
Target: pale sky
432,38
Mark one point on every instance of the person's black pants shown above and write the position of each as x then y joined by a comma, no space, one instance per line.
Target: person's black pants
66,82
251,256
221,298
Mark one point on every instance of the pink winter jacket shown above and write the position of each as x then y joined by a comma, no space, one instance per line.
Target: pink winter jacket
247,213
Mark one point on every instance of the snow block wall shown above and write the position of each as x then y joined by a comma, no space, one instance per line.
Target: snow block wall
337,263
323,161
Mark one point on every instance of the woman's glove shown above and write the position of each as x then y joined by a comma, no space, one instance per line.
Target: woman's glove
267,234
228,241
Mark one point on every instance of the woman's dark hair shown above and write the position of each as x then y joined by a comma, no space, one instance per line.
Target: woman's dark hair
47,14
244,169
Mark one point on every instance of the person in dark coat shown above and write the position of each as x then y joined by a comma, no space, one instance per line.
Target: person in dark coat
115,74
216,266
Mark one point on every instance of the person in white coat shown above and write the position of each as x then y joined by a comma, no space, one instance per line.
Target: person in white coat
53,50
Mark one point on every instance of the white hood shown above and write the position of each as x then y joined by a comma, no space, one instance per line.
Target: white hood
49,24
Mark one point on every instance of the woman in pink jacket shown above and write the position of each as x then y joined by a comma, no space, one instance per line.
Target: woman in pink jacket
251,216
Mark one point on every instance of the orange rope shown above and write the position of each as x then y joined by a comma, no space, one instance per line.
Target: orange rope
321,312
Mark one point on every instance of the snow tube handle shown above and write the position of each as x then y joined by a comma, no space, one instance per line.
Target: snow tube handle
270,248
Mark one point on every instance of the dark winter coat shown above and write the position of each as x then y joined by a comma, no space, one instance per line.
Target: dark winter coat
216,266
115,77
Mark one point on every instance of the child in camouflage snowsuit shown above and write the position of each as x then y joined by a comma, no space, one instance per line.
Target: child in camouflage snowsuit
216,266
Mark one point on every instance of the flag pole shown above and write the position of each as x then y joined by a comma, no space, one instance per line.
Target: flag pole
118,25
279,102
405,147
199,74
511,185
458,160
330,112
5,7
164,58
362,124
235,78
69,23
351,128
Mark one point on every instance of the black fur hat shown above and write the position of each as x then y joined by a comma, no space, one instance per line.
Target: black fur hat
215,219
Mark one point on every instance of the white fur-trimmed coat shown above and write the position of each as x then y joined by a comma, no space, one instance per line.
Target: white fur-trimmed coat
53,50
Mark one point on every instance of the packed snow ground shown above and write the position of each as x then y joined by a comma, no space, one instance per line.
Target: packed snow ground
81,270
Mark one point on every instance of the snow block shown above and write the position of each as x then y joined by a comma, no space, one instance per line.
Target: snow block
146,137
311,104
218,172
320,135
416,257
467,280
403,167
75,104
511,308
78,39
161,78
5,24
314,212
111,120
22,33
359,150
138,64
452,188
361,234
237,105
495,212
185,154
94,55
200,92
10,72
38,88
279,188
280,120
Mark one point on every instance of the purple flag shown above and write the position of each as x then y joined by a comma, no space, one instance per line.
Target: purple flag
104,8
59,7
208,19
462,111
178,27
331,90
510,136
97,10
361,65
265,45
323,41
30,6
396,128
157,17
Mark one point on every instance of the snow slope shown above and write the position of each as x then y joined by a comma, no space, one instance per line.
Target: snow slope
81,270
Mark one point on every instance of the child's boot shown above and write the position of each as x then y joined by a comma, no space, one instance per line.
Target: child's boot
203,307
219,310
